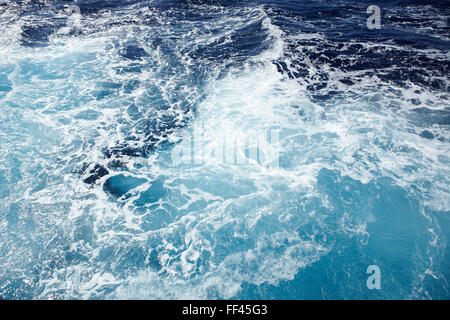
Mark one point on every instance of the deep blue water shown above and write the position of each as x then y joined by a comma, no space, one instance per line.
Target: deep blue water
224,149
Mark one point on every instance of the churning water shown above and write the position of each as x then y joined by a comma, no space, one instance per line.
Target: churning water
224,149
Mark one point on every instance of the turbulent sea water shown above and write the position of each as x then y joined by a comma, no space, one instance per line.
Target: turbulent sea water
350,126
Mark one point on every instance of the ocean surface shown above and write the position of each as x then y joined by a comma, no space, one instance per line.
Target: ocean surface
224,149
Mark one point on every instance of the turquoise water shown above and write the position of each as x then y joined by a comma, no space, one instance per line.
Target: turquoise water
218,150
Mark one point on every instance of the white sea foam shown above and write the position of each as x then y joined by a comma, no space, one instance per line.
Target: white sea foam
201,230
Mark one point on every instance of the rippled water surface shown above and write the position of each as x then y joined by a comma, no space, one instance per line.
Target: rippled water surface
349,128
